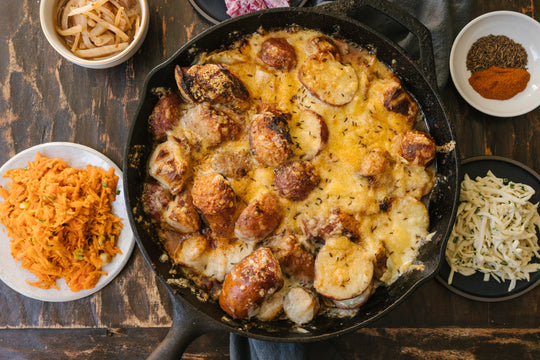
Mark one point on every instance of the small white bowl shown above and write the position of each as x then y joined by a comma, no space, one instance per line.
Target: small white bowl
518,27
47,17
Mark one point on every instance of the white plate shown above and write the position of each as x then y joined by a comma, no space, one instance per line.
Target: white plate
77,156
518,27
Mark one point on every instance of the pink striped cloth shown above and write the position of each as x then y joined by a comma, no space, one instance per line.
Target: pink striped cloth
239,7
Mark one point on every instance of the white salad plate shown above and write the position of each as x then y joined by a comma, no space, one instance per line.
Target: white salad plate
77,156
518,27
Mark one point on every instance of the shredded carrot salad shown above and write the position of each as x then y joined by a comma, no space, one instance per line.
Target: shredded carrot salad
60,221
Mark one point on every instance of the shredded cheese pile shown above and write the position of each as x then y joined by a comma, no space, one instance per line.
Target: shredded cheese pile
60,221
495,231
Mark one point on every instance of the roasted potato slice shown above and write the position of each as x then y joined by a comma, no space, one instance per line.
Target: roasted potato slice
310,135
343,269
356,301
329,80
300,305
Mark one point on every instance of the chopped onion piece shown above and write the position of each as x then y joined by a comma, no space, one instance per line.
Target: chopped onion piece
101,51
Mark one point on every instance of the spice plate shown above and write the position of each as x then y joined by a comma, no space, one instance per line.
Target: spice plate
518,27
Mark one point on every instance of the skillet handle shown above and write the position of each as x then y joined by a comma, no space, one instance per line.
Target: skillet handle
185,328
352,8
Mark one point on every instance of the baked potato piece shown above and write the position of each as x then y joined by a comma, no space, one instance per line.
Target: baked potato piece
295,260
343,269
181,215
213,196
170,164
191,252
300,305
278,53
272,307
294,180
417,147
209,126
269,137
165,115
310,134
249,283
321,45
155,198
329,80
259,218
356,301
212,83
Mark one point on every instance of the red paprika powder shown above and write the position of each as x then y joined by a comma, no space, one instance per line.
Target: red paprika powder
499,83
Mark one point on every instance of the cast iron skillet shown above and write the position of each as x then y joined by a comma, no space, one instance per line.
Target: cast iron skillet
192,317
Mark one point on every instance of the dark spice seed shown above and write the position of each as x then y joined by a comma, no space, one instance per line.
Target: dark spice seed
496,50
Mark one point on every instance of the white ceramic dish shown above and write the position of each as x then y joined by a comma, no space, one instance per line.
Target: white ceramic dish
520,28
75,155
47,18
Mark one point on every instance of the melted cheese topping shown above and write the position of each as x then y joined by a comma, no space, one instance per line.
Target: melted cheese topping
354,129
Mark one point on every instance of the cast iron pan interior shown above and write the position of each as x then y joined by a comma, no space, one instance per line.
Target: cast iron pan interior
441,201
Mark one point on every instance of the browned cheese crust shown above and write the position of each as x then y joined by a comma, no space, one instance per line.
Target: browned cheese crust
417,147
212,83
321,45
294,180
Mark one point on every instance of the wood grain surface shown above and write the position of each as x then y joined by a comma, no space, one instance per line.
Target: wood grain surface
45,98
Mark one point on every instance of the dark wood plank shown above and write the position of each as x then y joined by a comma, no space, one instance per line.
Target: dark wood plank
369,344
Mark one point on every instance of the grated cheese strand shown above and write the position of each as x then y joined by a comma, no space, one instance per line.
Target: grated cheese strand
495,231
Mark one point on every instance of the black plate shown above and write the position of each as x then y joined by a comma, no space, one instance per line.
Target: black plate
473,287
215,11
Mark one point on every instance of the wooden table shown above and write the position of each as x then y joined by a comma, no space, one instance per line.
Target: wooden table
44,98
